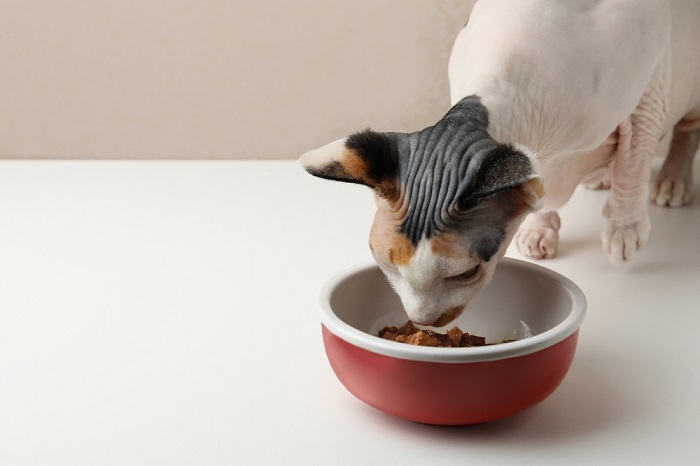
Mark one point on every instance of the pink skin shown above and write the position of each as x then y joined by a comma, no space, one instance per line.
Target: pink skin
597,122
564,113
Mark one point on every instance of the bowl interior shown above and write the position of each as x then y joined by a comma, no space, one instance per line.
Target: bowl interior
522,300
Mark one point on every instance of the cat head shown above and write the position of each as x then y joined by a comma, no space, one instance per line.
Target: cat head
449,200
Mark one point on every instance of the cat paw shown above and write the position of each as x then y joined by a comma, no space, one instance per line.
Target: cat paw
540,242
538,235
672,192
621,240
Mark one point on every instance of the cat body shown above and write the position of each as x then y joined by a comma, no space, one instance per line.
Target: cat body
546,94
591,88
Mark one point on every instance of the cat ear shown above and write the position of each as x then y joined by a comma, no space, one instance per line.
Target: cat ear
367,157
533,191
532,186
506,167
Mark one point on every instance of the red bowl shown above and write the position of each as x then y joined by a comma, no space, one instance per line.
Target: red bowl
455,386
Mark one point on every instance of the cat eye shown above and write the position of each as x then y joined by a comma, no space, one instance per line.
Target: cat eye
468,276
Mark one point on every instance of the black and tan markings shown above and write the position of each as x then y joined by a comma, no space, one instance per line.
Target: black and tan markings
453,175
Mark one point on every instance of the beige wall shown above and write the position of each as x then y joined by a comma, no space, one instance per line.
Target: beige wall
217,79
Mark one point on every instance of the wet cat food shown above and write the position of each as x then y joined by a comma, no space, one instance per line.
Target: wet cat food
410,334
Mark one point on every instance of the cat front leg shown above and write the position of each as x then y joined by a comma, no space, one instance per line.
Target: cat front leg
627,224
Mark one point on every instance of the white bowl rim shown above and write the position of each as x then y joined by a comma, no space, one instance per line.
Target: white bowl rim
529,345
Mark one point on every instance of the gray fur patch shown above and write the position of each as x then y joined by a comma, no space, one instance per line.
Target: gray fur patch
450,167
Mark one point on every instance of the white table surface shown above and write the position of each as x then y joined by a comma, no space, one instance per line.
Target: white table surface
128,291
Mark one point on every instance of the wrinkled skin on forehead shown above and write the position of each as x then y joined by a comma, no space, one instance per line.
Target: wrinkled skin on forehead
449,200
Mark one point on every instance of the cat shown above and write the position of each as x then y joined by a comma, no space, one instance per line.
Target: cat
545,95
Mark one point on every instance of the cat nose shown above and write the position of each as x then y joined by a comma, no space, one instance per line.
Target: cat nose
448,316
434,319
422,321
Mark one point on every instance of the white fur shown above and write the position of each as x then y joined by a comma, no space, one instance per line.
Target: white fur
423,289
424,286
317,158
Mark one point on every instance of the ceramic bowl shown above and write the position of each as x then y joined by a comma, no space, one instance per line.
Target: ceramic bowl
539,308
